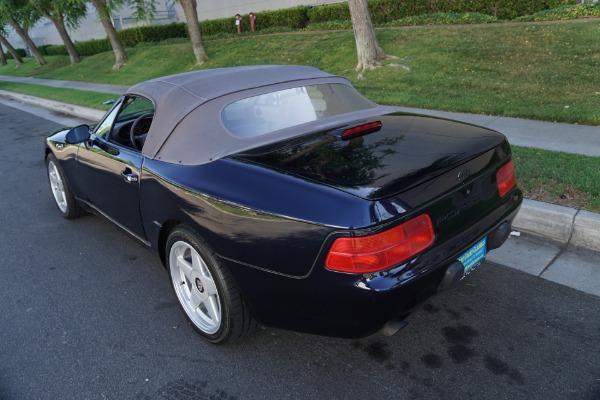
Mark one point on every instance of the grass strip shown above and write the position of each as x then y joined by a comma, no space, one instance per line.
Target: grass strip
70,96
559,178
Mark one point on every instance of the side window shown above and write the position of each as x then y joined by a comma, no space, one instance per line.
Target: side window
103,128
133,122
135,107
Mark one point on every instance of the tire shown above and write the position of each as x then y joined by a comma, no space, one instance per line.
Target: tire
61,191
206,291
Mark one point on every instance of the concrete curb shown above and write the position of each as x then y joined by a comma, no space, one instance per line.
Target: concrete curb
564,224
586,230
91,114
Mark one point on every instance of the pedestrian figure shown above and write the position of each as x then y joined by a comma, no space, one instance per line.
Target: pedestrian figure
238,22
252,18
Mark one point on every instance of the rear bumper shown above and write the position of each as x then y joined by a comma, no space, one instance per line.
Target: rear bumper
346,305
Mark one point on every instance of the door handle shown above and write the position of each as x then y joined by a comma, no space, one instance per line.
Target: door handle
129,176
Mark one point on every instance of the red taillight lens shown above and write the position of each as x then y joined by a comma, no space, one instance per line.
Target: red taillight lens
505,178
361,130
383,250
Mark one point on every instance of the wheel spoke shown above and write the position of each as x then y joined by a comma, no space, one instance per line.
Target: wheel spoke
209,285
184,266
197,263
195,300
212,306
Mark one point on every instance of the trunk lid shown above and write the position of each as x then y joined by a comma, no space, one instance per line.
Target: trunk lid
408,151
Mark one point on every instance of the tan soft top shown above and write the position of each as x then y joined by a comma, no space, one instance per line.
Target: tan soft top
187,127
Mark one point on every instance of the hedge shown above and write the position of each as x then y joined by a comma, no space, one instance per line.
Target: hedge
56,50
292,18
20,52
586,10
153,33
383,11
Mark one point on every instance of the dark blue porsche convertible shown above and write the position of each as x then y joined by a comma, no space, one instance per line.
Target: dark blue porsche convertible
279,195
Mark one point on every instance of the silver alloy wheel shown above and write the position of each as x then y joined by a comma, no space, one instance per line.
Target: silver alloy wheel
57,186
195,287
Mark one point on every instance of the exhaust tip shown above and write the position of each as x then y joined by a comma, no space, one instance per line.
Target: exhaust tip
393,327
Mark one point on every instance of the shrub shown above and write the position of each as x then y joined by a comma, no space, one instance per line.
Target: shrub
43,48
92,47
154,33
565,12
290,18
214,26
329,12
443,19
383,11
56,50
19,51
295,18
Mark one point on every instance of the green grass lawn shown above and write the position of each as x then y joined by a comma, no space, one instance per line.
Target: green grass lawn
559,178
78,97
546,71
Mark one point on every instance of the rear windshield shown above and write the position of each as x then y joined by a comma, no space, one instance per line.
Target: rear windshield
258,115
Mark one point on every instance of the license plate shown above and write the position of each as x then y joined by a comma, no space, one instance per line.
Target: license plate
473,257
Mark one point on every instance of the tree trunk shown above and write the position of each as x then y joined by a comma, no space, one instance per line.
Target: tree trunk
367,46
191,17
25,36
11,50
59,23
111,32
2,56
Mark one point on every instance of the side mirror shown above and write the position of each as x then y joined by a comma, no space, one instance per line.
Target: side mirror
77,135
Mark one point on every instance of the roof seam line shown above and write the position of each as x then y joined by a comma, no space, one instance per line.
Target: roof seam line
182,88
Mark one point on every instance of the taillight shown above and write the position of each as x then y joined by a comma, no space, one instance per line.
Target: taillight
505,178
361,130
382,250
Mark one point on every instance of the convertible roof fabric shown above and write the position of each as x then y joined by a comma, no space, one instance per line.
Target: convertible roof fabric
187,127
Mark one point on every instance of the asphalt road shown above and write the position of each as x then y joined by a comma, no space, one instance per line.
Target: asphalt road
87,313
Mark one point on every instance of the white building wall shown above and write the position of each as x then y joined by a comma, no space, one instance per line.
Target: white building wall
213,9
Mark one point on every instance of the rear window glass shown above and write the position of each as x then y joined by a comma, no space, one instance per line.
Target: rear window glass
258,115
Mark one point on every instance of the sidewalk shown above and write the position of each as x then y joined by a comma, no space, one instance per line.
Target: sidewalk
91,87
568,138
562,224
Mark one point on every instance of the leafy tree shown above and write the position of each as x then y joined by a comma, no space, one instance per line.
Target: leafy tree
144,10
21,16
367,47
4,42
103,12
191,17
62,13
